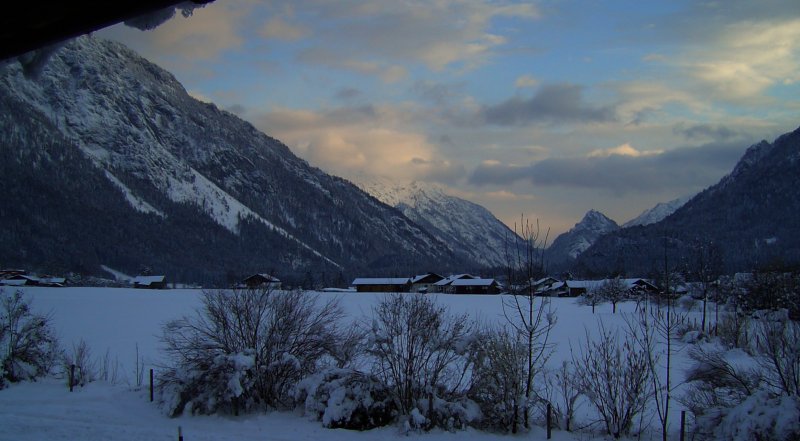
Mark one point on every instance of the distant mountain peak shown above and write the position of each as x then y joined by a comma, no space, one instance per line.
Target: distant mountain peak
570,245
596,221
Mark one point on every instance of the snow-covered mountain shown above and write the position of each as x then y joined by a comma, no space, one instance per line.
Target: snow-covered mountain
568,246
464,227
658,212
750,218
108,161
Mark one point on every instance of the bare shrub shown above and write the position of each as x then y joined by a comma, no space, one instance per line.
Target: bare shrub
418,351
776,344
86,370
732,329
613,373
29,346
109,369
562,391
246,349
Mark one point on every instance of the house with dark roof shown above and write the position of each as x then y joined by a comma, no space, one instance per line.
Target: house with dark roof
382,284
424,282
445,285
475,286
149,282
636,286
261,280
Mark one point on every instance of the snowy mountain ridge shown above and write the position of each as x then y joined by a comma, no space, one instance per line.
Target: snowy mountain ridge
177,164
658,212
464,227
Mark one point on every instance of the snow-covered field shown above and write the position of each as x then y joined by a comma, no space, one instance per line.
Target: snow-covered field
122,321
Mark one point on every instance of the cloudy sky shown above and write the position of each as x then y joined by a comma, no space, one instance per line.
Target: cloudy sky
544,109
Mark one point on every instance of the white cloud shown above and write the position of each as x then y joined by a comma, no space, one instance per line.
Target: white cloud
622,150
280,29
526,81
748,57
439,35
356,142
204,35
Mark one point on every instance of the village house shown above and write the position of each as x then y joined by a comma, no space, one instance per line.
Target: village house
149,282
424,283
22,278
386,284
552,287
261,280
475,286
445,285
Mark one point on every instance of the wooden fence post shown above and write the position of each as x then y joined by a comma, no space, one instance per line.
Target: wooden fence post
683,425
151,385
180,434
549,419
71,376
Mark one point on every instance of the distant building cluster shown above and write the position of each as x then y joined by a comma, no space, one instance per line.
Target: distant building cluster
20,277
553,287
430,283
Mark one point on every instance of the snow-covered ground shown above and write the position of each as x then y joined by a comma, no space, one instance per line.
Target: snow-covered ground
122,321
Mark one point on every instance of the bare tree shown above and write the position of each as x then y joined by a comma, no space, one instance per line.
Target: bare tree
591,298
654,328
706,272
613,291
613,373
530,316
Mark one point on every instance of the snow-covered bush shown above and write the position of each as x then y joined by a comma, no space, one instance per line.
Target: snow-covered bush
456,413
222,384
285,334
343,398
498,383
419,351
761,417
28,344
734,393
